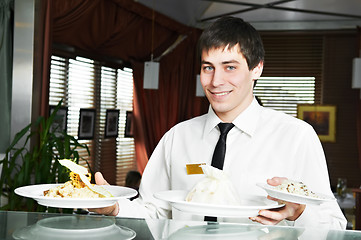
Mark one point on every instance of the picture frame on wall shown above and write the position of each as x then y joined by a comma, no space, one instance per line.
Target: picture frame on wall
87,118
322,118
111,123
129,124
60,122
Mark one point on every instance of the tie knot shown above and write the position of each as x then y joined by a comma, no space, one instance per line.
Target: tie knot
225,127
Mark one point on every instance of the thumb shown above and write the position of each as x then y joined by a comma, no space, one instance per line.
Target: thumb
99,179
275,181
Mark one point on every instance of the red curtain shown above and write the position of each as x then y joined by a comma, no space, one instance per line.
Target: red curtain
157,111
46,23
123,29
106,28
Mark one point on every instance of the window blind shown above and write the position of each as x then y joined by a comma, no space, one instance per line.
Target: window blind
85,83
72,80
125,148
285,93
292,72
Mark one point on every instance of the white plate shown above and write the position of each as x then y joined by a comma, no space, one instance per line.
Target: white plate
36,192
218,231
295,198
249,206
74,227
227,231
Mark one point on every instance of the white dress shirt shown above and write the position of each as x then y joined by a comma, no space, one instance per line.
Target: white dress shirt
263,144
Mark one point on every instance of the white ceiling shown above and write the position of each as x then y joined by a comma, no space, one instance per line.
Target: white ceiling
264,14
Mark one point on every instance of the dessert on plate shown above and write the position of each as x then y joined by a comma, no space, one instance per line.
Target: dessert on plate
295,187
78,186
215,188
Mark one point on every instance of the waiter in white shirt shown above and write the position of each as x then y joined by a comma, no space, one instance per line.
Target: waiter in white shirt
263,146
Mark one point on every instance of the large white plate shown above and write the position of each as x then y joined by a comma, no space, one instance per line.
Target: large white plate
249,206
36,192
74,227
295,198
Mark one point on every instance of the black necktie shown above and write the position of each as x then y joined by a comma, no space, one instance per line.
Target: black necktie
219,153
220,150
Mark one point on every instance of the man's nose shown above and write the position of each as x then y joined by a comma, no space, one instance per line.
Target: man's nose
218,78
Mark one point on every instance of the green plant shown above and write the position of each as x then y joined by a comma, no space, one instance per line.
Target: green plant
21,166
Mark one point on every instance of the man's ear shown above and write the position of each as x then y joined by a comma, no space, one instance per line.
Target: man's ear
257,70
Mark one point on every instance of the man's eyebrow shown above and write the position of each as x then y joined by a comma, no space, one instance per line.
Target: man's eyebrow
205,62
230,61
224,62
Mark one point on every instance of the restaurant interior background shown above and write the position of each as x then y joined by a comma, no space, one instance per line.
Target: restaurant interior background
301,38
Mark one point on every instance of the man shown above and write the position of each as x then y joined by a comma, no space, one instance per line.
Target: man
262,145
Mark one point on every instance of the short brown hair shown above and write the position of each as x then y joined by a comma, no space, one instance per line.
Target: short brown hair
230,31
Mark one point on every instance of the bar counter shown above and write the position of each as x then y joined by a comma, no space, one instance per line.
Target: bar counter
31,225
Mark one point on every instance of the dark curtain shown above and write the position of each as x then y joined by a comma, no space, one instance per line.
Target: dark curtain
45,54
156,111
6,61
123,29
106,28
359,105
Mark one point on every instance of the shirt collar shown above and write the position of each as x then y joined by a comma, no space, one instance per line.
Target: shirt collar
246,121
211,121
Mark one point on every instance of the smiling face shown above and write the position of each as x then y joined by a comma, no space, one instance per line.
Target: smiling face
227,81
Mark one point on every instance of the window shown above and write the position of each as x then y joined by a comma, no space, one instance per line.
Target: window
85,83
284,93
292,72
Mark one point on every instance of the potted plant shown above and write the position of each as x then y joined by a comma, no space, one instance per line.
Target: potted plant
22,166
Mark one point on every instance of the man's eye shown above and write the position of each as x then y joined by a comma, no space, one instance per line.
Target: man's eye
207,68
231,67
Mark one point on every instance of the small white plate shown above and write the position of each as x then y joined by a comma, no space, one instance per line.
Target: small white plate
295,198
37,193
249,206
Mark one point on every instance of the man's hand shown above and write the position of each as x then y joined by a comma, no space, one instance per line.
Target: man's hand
112,210
291,211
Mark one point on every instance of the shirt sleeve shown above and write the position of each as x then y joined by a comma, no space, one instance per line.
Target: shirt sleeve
326,215
315,174
155,179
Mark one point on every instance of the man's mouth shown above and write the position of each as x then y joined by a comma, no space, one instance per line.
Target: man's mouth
221,93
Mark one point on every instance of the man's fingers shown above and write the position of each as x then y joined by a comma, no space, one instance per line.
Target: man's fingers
275,181
267,217
110,211
99,179
264,221
274,215
290,211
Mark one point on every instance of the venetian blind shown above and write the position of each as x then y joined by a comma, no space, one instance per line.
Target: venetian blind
85,83
285,93
292,72
126,147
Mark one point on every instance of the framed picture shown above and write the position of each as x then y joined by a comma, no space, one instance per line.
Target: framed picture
86,123
59,125
111,123
128,124
322,118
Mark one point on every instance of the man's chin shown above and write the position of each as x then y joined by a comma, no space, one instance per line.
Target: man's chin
220,108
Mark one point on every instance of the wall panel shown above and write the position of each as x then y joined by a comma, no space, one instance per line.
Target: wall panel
342,156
